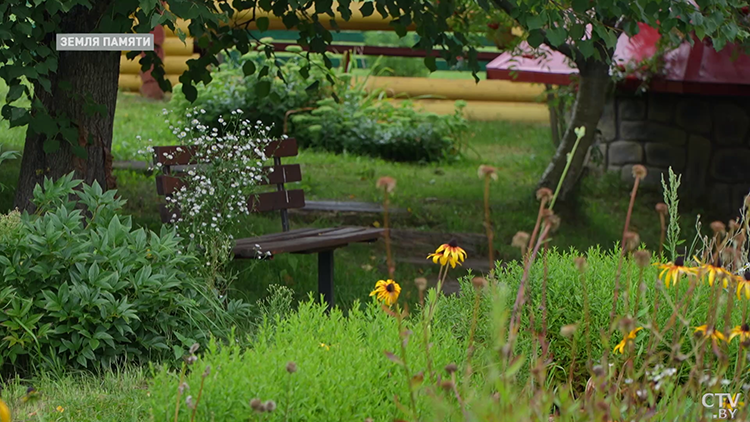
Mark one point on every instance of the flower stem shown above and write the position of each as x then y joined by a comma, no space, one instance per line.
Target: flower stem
488,222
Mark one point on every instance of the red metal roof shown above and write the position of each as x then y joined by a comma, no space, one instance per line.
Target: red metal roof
697,69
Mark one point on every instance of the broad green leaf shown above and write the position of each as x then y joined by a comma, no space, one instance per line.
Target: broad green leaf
367,9
51,146
535,38
430,62
534,22
248,68
262,88
262,23
557,35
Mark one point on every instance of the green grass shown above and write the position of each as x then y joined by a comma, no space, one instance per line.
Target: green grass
445,197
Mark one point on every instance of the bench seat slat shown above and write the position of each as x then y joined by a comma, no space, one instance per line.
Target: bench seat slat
287,173
281,148
305,241
263,202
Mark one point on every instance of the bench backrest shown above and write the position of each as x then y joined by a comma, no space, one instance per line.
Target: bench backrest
173,161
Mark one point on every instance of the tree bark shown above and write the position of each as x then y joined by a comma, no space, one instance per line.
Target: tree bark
587,110
92,76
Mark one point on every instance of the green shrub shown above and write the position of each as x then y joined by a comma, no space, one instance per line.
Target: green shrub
262,95
83,288
366,124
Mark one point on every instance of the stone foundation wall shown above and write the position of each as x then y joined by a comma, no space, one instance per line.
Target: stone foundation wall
706,139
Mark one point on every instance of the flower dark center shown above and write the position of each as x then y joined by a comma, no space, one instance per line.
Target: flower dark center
745,327
747,275
679,261
390,288
453,243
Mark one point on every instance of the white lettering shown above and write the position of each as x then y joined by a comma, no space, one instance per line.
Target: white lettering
95,42
147,42
705,400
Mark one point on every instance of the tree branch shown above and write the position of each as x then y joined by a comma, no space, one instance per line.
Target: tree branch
565,49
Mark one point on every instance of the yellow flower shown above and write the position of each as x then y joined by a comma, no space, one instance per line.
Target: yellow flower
448,253
741,331
743,284
387,291
325,346
714,273
4,412
60,409
620,348
711,333
674,271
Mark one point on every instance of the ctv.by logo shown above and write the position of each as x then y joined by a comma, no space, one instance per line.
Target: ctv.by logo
726,404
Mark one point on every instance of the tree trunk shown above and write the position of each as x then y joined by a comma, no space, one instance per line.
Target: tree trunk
587,110
92,76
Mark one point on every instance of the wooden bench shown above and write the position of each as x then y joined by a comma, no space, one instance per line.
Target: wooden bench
304,241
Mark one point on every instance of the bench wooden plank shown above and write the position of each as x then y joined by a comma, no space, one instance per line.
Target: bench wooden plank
274,237
287,173
281,148
307,243
279,200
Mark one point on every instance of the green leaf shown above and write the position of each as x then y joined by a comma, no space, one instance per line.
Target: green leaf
51,146
367,9
429,61
262,88
80,152
190,92
556,36
580,6
248,68
535,38
534,22
14,92
262,23
313,86
155,20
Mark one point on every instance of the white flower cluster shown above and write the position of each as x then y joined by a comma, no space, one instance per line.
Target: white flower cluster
229,167
658,374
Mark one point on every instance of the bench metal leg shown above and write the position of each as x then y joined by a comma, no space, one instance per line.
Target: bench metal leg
325,276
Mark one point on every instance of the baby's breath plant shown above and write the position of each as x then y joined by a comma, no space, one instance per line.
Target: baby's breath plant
229,167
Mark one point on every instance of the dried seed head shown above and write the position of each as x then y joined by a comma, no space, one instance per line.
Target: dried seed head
598,370
567,331
642,258
269,406
189,402
631,240
580,263
520,240
387,183
747,201
544,194
369,420
718,227
733,225
627,324
479,282
183,387
639,172
191,359
194,348
256,405
487,171
446,385
421,283
207,371
553,221
451,368
662,208
291,367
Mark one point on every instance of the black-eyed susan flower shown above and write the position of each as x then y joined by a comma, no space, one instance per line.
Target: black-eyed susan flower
620,348
711,333
741,331
674,271
387,291
714,273
743,285
4,412
448,253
